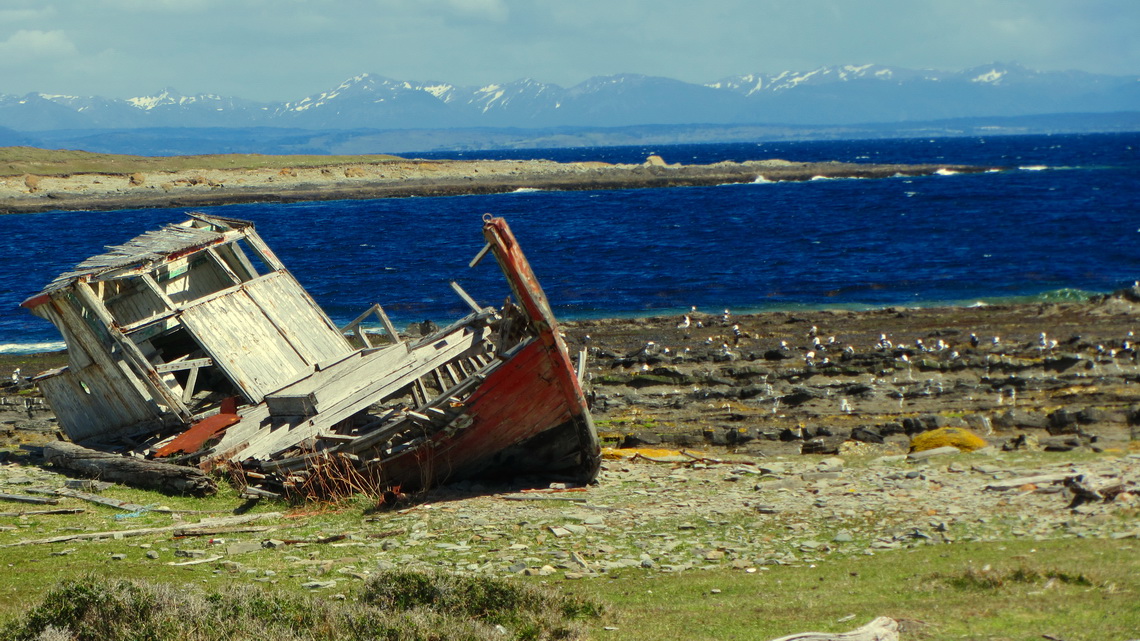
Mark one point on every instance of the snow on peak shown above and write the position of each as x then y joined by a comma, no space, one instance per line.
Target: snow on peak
993,76
163,98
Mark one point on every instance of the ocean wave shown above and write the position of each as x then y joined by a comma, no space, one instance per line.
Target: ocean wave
526,190
31,348
1034,168
760,179
946,172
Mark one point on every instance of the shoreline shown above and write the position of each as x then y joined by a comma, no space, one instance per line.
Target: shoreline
1049,297
770,372
408,178
1082,297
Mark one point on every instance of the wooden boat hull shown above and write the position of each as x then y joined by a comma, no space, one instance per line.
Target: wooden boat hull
222,362
521,425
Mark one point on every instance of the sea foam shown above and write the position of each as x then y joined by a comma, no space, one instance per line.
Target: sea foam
31,348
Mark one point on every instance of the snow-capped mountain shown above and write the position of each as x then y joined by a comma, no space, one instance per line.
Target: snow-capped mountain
825,96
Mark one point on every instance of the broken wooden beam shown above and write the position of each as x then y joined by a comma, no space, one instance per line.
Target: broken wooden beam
141,473
23,498
64,510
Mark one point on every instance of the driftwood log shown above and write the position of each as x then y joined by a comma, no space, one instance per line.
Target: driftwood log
881,629
140,473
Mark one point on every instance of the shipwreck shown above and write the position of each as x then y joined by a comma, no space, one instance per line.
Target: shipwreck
193,344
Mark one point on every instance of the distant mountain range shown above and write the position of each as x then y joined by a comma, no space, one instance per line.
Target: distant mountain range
827,97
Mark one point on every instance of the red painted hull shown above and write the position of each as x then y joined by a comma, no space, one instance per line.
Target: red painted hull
528,417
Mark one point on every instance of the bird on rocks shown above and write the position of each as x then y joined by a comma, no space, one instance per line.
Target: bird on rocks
974,340
16,378
685,323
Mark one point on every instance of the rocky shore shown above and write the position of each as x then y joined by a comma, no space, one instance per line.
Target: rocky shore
774,438
1061,375
402,178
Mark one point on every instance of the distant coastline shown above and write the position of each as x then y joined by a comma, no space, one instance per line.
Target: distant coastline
103,187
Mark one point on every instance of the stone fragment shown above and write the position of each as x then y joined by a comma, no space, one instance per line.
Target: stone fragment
946,450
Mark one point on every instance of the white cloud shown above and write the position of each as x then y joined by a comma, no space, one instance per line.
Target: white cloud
31,45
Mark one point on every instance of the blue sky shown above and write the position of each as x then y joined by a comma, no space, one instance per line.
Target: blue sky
287,49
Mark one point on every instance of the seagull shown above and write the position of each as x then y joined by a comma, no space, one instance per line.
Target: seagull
974,339
16,376
813,331
685,324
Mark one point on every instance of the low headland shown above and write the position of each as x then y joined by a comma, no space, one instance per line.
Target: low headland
34,180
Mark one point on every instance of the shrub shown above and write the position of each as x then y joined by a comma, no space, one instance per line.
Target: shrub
394,605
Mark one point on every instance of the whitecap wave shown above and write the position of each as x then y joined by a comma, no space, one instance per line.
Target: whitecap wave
1033,168
760,179
526,190
31,348
946,172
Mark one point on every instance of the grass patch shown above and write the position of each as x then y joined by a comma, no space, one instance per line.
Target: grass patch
394,605
1075,589
987,578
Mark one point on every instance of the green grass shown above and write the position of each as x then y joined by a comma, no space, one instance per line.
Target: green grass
390,605
1012,589
1078,590
1075,589
16,161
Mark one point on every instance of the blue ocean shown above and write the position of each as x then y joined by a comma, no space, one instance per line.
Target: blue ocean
1063,222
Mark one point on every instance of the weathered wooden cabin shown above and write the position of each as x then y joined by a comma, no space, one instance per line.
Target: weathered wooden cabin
194,340
163,327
